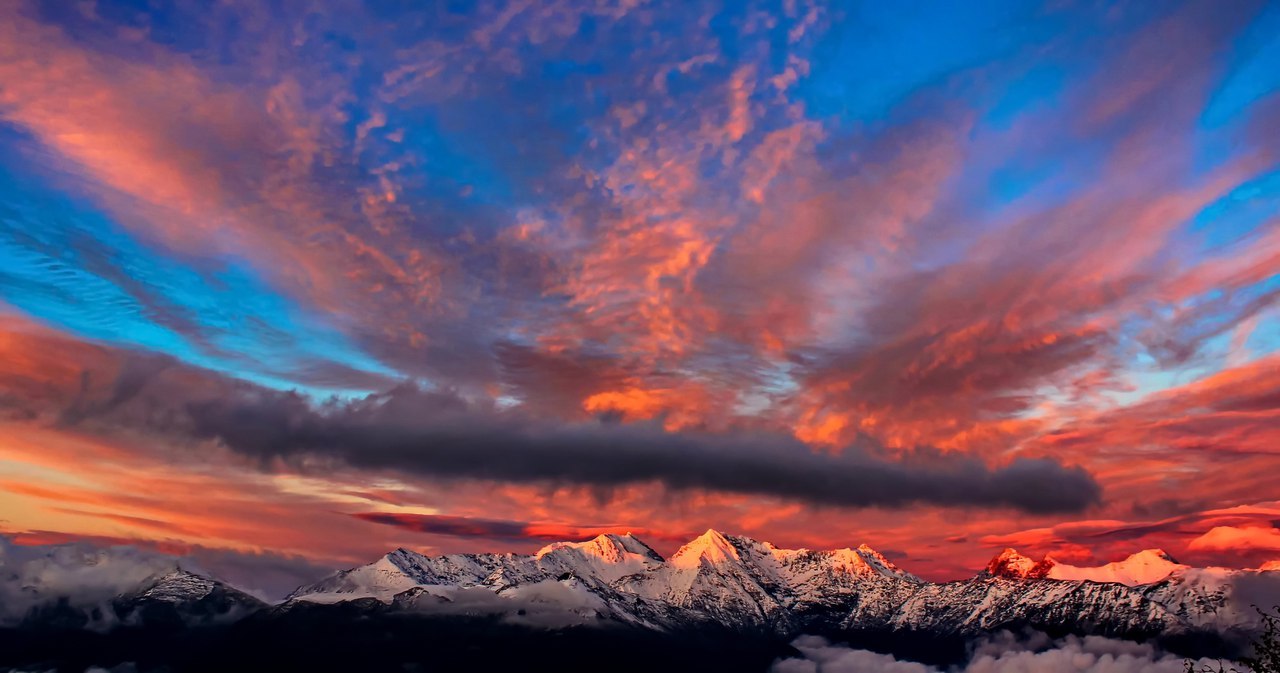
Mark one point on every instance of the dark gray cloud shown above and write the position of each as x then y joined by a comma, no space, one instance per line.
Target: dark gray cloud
89,569
268,575
439,434
455,526
443,435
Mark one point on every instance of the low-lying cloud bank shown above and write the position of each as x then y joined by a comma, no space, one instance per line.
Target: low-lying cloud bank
1002,654
31,576
87,574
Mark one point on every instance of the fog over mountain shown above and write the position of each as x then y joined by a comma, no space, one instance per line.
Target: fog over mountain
1002,654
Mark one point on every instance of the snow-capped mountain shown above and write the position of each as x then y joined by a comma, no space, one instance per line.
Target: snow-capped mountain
715,583
1144,567
715,578
1217,599
180,596
176,597
80,576
1010,564
78,586
736,583
721,602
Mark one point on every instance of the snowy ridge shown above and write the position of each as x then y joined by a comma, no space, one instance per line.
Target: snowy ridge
608,557
183,597
173,596
737,583
715,581
1218,598
178,587
382,579
1144,567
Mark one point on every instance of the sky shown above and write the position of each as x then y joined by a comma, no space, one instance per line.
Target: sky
305,282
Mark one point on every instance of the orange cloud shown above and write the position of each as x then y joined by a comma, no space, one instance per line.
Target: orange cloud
686,405
1232,539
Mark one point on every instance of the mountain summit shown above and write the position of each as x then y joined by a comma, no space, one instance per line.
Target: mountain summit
712,547
1010,564
1144,567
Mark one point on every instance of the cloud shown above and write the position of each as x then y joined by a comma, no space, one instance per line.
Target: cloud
499,529
439,434
1232,411
38,567
1004,654
1185,535
456,526
267,575
31,576
567,210
821,656
714,229
1232,538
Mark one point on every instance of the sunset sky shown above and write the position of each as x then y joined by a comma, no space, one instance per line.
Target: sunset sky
298,283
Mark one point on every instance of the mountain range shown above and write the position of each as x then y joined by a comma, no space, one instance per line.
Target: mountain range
727,588
750,586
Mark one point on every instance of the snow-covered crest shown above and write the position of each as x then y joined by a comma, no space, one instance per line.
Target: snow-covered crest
732,582
1144,567
712,547
739,582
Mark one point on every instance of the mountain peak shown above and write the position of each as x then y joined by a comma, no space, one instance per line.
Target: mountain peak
881,564
865,561
1150,555
400,559
178,585
1010,564
874,557
608,547
635,545
712,546
1270,566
